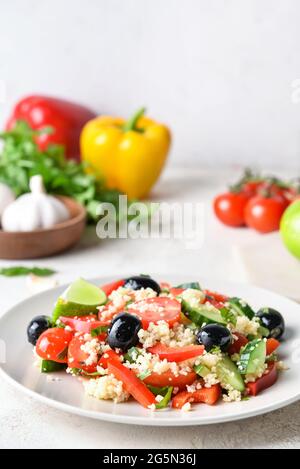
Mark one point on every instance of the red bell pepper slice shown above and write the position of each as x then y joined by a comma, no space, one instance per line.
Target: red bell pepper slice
236,346
267,380
176,354
206,395
272,345
108,288
131,383
109,355
169,379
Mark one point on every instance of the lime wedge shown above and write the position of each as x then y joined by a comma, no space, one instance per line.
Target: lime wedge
79,299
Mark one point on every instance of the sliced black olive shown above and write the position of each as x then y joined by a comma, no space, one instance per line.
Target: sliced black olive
273,321
142,281
123,333
36,327
214,335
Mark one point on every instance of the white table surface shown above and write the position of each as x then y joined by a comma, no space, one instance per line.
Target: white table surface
27,424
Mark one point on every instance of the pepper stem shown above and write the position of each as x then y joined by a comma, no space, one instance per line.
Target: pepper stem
132,122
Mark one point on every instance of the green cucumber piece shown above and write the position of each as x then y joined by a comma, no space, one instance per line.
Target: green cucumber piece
253,357
241,308
228,374
192,285
48,366
202,370
202,314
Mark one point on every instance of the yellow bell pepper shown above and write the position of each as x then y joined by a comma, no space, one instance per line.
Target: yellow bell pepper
129,155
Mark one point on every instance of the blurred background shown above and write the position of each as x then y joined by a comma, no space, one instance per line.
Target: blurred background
222,73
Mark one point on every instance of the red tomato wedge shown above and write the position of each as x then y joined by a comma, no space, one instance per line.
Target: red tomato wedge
267,380
131,383
169,379
236,346
77,357
272,345
108,288
109,355
206,395
83,323
53,344
176,354
156,309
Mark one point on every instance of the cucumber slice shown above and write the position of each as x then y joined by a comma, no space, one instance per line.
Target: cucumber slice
192,285
202,314
241,308
228,374
48,366
202,370
79,299
253,357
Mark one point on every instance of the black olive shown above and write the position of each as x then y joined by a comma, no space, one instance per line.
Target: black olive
214,335
273,321
142,281
36,327
123,332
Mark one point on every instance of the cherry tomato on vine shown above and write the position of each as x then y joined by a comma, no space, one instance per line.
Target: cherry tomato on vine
263,214
229,208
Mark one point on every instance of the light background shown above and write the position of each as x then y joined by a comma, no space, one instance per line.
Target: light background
219,72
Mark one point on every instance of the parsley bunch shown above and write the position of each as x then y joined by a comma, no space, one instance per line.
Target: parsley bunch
20,159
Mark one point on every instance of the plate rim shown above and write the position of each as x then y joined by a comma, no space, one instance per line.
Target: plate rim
142,420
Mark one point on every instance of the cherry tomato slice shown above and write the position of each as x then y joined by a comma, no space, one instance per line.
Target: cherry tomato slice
169,379
206,395
176,354
267,380
77,357
53,344
108,288
156,309
131,383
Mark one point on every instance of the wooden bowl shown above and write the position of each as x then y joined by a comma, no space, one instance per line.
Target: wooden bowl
44,243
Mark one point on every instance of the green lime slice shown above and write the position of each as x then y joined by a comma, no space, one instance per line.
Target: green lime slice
79,299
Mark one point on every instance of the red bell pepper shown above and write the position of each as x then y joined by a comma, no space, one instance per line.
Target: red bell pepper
206,395
66,119
267,380
131,383
176,354
108,288
236,346
272,345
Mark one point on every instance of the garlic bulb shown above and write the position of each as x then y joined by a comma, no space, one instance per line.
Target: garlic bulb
6,197
34,211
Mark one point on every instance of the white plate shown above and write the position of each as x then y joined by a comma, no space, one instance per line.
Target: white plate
66,392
